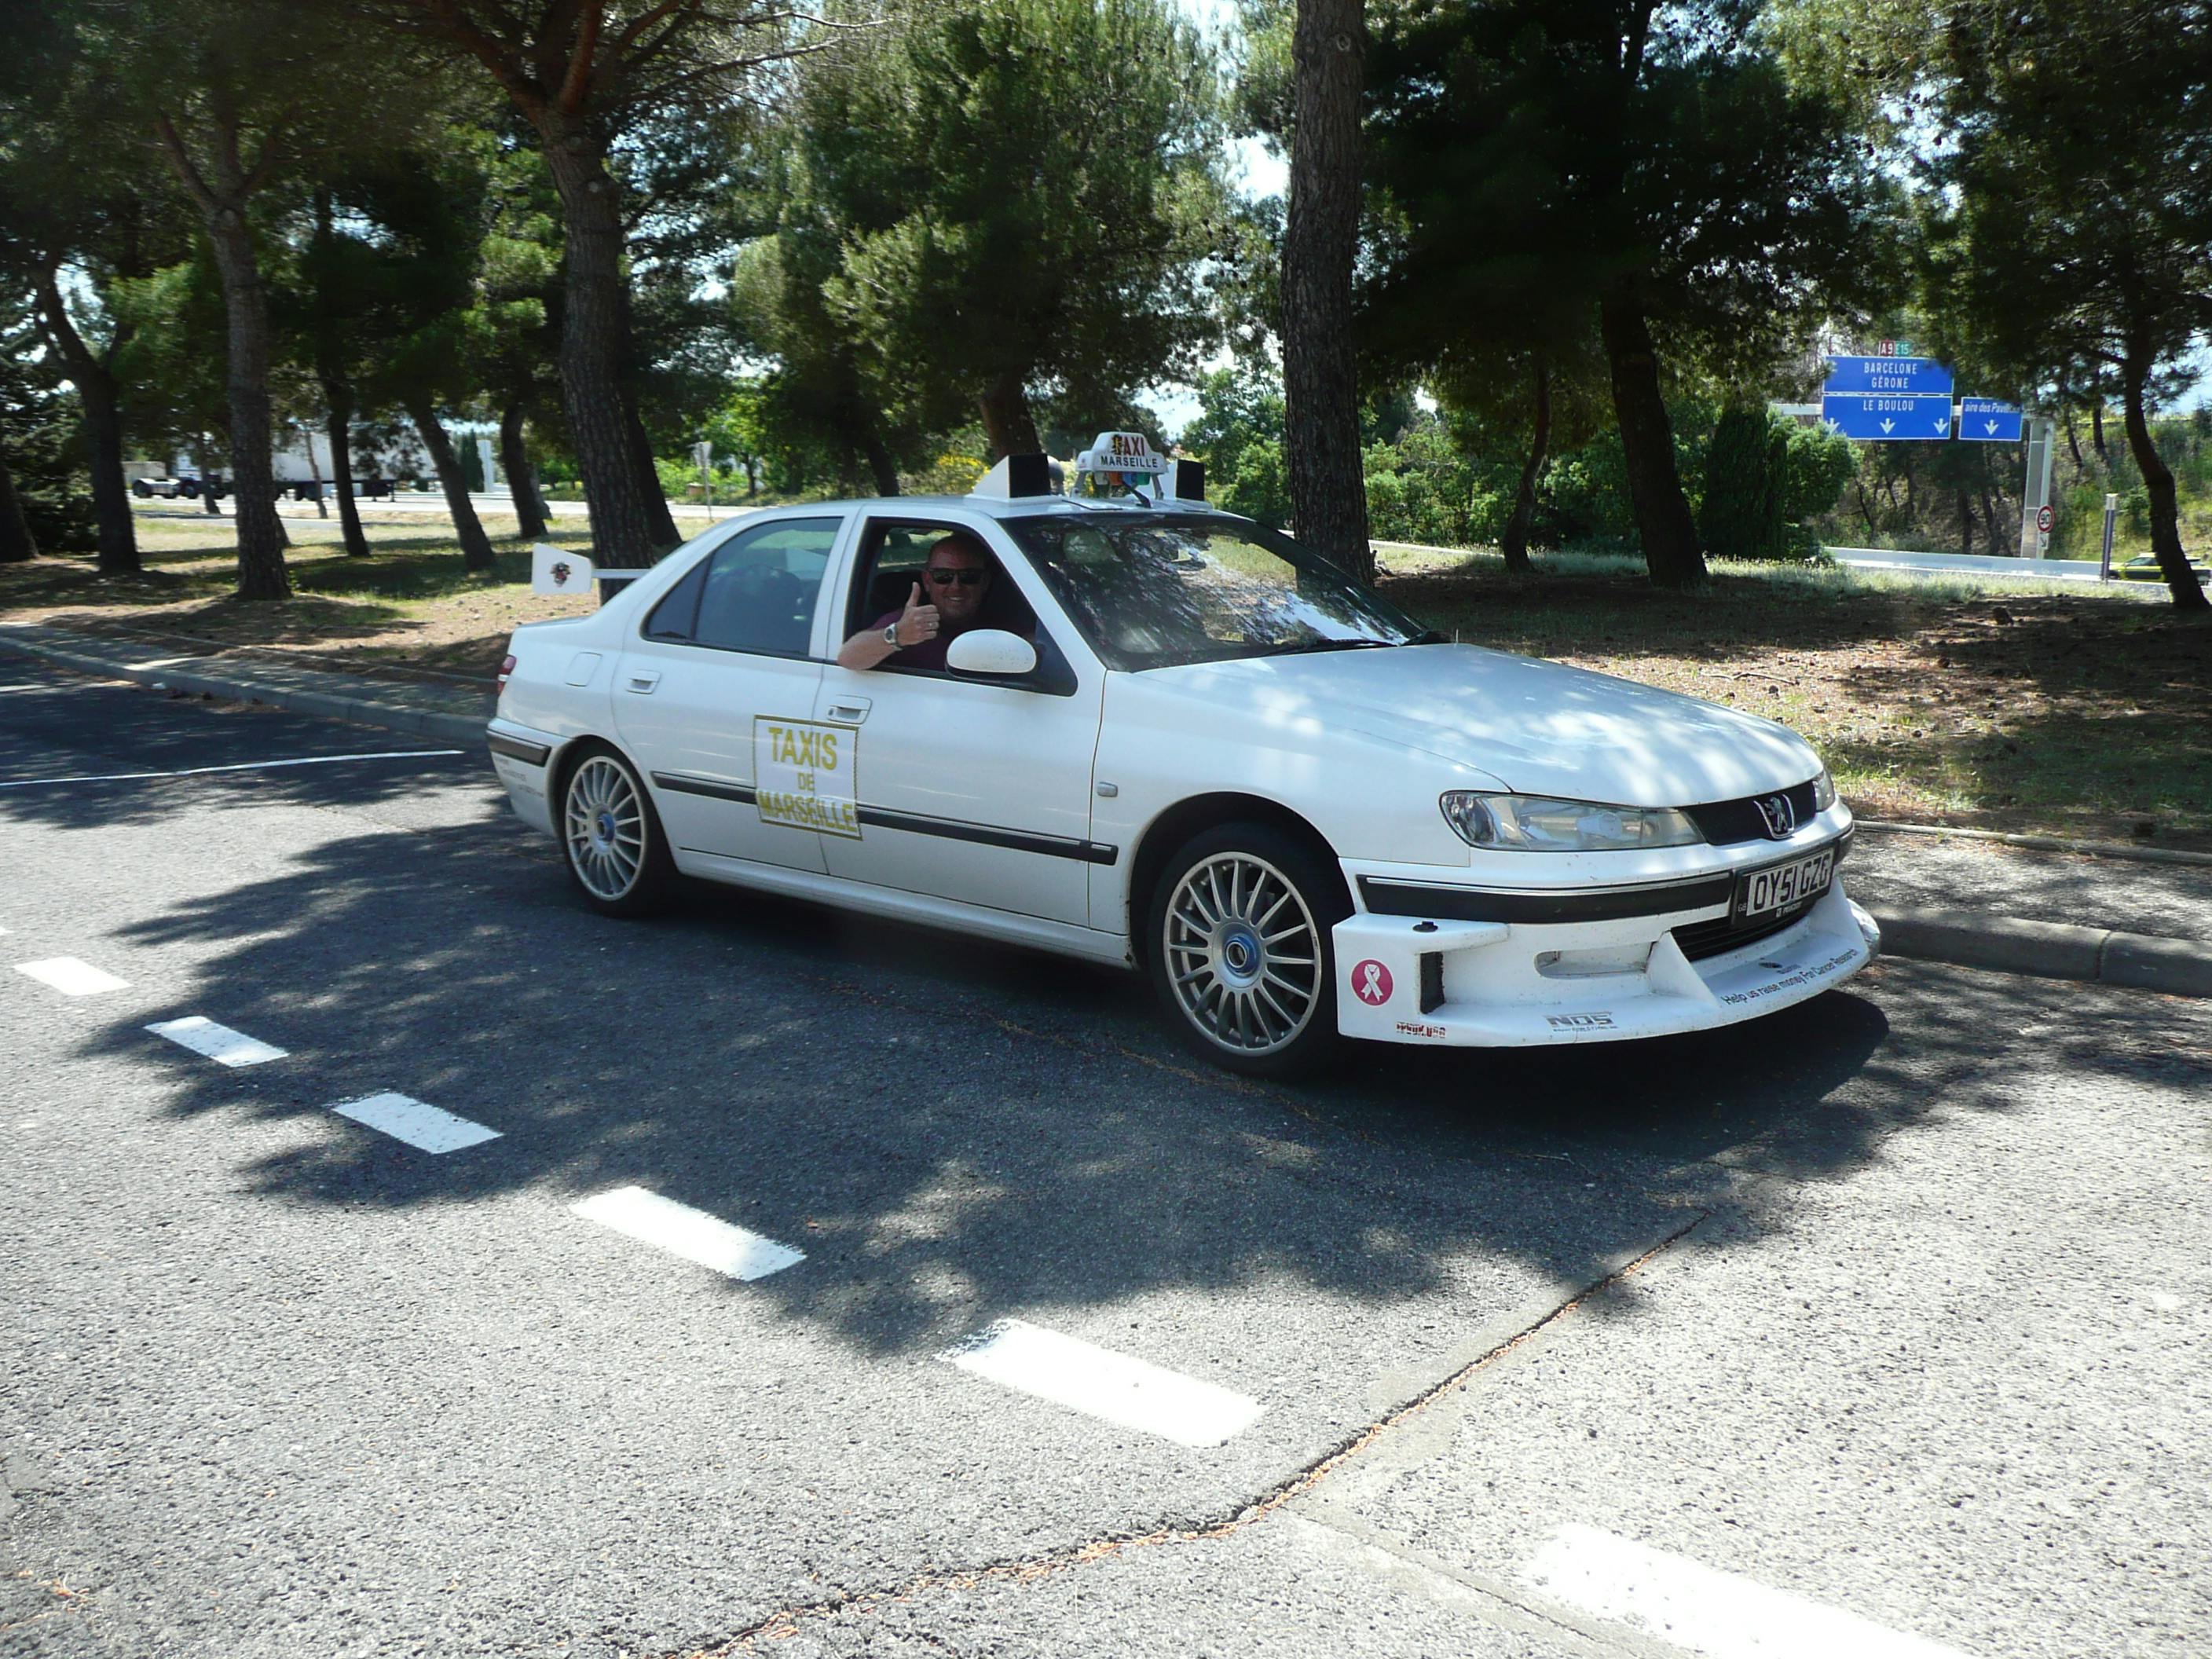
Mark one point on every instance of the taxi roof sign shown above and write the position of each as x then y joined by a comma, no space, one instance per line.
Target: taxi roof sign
1121,452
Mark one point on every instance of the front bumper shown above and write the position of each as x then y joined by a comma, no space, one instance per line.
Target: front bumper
1495,984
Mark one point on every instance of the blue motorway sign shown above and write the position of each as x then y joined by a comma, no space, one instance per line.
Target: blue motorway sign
1986,421
1877,420
1897,377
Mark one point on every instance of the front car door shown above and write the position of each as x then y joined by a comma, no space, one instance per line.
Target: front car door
968,789
731,651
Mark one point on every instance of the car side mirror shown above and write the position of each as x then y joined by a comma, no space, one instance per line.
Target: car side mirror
990,651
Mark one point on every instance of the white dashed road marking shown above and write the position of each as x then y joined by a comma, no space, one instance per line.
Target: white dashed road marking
218,1042
242,766
70,977
1101,1384
415,1122
1709,1612
692,1234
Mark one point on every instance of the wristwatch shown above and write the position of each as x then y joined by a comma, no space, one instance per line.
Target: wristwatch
891,637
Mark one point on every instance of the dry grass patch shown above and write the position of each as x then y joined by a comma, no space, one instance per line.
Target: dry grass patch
2007,705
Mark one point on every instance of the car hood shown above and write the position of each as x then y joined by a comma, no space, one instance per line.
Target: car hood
1540,727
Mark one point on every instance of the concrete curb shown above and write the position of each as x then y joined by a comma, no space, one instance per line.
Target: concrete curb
2093,849
2048,949
2177,966
397,717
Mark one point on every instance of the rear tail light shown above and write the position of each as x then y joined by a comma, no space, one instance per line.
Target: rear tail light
505,672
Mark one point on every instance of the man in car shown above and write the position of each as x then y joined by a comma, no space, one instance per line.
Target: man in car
944,604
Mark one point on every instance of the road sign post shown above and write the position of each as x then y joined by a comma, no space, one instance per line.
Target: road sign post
703,454
2112,524
2035,516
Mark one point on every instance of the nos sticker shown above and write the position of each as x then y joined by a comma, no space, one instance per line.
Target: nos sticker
803,774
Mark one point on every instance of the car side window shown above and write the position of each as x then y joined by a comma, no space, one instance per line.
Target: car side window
892,559
679,610
756,591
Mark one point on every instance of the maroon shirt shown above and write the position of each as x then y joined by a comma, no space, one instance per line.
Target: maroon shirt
930,653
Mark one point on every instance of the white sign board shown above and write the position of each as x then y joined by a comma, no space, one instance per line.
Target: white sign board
1121,452
803,774
556,570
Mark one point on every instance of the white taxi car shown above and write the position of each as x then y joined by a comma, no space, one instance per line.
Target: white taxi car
1178,741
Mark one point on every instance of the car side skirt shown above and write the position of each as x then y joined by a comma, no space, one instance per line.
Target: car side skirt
890,903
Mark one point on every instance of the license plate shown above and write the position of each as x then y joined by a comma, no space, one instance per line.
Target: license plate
1761,892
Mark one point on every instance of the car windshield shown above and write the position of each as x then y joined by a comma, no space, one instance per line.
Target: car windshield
1153,592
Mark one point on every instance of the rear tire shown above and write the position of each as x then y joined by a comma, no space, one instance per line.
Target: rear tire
611,838
1237,938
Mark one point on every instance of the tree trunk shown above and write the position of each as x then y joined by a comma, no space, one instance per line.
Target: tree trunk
595,325
1965,522
476,547
103,433
521,476
2158,482
1321,377
1008,426
1663,523
880,464
665,535
1515,544
2074,443
208,503
261,571
2097,431
338,396
17,544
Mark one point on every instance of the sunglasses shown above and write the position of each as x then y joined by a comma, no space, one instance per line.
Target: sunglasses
965,577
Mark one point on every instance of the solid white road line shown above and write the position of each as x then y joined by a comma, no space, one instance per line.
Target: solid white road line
692,1234
1101,1384
416,1122
1710,1612
70,977
218,1042
242,766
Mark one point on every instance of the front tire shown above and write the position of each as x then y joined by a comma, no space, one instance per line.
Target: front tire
610,836
1238,944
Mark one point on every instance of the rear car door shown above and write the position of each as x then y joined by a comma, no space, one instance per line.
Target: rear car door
735,645
967,788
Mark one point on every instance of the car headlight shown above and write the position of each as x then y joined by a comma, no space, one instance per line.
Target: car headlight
1824,792
1532,823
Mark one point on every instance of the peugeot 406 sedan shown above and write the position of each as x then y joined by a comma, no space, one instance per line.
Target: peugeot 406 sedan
1173,739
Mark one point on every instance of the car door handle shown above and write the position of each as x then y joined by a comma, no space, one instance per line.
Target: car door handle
853,710
642,681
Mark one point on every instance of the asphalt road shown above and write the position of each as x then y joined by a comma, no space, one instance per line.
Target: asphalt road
1881,1323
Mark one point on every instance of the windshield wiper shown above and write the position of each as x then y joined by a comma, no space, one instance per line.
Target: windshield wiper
1329,645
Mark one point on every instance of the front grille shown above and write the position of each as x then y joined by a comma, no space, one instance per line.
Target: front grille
1725,822
1700,939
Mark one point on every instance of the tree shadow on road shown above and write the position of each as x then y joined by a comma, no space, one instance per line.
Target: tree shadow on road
954,1131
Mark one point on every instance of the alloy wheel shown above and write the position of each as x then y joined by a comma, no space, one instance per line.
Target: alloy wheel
605,824
1244,953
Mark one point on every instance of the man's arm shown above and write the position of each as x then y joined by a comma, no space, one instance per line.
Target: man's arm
870,646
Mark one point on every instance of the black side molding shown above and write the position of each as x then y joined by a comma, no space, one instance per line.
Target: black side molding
684,786
1406,898
1400,898
531,754
988,834
882,817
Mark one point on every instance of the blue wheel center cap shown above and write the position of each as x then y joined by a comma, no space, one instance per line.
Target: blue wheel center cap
606,826
1240,952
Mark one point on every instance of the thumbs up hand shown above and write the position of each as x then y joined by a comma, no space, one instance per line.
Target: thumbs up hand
918,622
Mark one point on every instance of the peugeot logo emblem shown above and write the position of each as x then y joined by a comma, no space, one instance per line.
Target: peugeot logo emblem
1780,816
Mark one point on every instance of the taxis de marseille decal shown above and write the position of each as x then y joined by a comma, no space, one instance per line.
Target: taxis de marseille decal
803,774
